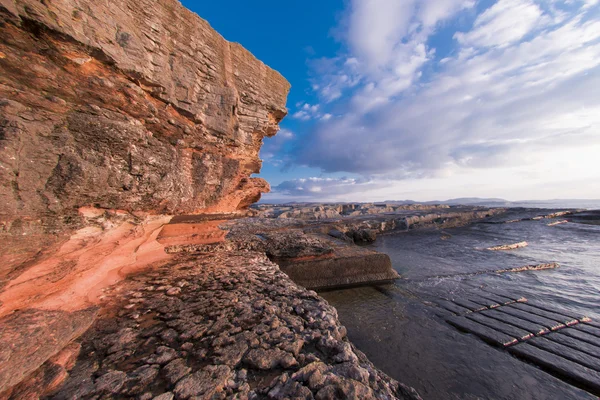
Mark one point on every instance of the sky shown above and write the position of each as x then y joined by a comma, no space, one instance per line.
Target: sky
427,99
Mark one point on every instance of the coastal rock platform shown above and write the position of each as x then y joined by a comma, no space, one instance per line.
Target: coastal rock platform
228,325
559,341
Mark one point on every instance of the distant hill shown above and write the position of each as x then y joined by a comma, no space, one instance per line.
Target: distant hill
477,201
497,202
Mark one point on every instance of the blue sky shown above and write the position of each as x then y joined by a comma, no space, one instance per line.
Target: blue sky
427,99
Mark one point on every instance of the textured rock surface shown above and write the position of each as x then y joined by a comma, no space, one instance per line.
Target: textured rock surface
133,105
115,116
237,327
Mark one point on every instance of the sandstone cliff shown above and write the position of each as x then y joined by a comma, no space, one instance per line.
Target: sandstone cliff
135,105
116,116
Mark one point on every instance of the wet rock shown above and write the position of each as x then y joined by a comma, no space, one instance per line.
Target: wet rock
509,246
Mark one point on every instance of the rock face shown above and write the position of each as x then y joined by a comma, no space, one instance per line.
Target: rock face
116,116
132,105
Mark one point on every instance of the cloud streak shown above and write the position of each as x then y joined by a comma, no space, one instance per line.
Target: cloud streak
518,84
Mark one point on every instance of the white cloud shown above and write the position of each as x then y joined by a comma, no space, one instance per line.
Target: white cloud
517,94
307,112
387,44
504,23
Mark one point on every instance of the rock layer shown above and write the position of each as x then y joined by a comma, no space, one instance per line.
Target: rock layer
115,116
132,105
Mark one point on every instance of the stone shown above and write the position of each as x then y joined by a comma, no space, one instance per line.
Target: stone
140,378
345,389
111,382
175,370
165,396
204,383
163,355
269,358
290,390
363,235
232,355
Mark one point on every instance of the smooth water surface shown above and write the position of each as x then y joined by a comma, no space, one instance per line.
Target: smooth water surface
404,333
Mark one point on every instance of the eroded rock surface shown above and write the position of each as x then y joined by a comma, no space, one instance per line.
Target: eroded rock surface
115,116
132,105
236,327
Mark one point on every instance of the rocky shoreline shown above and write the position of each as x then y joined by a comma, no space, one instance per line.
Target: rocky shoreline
129,135
227,325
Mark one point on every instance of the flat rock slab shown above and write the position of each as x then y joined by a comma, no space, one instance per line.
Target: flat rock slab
556,340
548,323
483,301
532,327
469,304
592,330
528,308
566,352
494,298
559,311
583,336
508,329
593,323
572,371
453,307
574,343
507,295
344,265
488,334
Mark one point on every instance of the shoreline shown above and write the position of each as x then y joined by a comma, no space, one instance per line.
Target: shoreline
240,246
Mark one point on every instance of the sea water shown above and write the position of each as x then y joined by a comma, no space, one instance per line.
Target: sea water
405,334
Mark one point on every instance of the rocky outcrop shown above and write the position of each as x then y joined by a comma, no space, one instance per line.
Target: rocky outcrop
116,116
511,246
226,325
132,105
331,211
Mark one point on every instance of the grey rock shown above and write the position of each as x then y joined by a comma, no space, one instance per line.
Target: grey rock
111,382
203,383
175,370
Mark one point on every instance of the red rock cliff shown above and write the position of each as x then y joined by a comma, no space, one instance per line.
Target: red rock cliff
136,105
110,112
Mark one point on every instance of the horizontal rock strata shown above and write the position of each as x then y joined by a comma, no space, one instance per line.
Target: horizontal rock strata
130,105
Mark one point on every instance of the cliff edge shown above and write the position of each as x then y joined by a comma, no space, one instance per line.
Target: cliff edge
115,117
131,105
